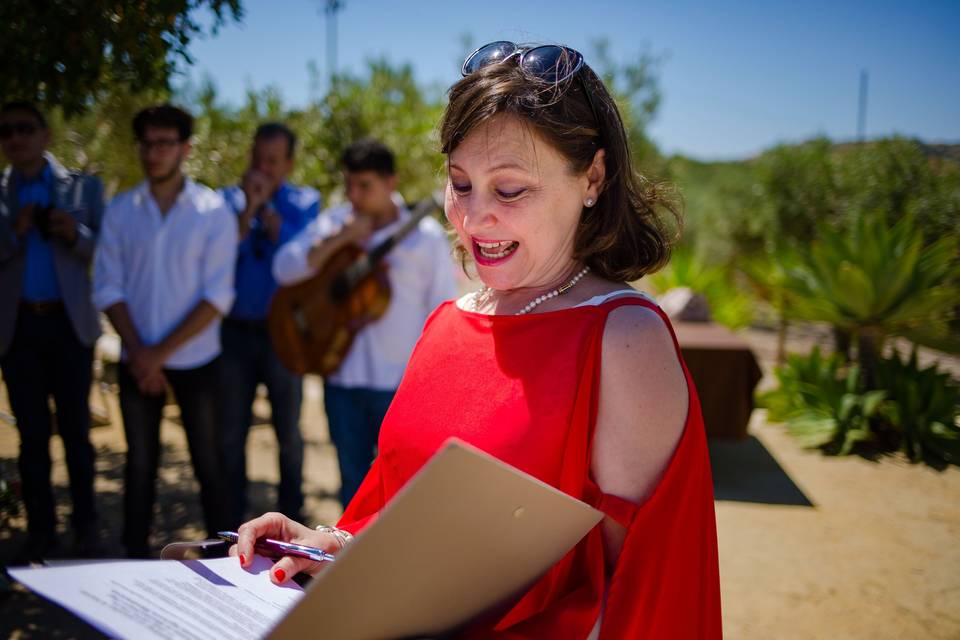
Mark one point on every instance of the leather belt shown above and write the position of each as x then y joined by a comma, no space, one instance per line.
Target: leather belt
42,308
249,325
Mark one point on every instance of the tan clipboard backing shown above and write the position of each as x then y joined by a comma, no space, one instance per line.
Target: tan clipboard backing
466,532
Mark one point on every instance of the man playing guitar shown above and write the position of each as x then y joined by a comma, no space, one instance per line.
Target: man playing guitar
421,276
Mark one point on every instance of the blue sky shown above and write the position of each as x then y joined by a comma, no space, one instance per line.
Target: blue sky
737,77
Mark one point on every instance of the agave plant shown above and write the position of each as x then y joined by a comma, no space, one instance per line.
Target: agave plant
822,405
924,405
876,280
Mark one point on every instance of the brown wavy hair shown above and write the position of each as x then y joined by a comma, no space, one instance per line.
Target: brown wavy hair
624,235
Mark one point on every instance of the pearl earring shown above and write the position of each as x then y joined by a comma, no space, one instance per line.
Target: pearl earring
588,202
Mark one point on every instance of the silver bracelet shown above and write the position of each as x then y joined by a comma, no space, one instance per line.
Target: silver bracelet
343,537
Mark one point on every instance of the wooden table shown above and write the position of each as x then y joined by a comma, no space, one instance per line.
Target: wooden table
725,372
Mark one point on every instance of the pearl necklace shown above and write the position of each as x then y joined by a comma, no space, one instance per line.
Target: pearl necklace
484,291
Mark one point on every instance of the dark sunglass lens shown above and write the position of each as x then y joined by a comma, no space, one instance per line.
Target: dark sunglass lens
488,54
23,128
551,63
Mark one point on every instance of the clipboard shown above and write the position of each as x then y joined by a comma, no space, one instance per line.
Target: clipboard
465,534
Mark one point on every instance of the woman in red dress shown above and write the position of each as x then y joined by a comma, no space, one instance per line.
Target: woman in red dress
554,365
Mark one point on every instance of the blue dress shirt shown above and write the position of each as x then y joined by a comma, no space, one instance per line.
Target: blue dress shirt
254,280
39,271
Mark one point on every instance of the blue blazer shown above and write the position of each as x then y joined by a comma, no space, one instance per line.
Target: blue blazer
82,195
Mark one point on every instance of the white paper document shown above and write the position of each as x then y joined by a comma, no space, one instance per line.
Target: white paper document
168,599
466,533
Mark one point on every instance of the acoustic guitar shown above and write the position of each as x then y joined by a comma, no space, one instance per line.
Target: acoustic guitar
313,323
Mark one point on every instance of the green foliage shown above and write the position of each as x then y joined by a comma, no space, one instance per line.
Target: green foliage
899,177
825,406
386,104
739,211
729,304
720,201
799,190
636,88
879,279
100,140
222,135
87,46
768,274
795,189
821,404
924,406
384,101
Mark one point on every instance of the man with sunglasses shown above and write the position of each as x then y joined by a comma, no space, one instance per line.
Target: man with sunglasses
163,274
49,221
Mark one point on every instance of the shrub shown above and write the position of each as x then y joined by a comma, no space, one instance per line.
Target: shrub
922,406
824,405
821,403
729,305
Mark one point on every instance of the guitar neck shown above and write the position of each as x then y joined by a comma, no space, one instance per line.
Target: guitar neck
423,208
367,262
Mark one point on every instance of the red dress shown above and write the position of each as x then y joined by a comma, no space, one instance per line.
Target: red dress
524,389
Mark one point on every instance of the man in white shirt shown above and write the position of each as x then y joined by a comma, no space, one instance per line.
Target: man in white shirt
421,276
163,273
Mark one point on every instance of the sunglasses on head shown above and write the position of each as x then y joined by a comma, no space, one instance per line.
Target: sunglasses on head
548,62
7,129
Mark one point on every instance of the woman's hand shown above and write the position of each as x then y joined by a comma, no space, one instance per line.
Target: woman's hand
279,527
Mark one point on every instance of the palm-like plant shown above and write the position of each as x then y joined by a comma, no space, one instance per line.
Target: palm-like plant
822,403
767,275
876,280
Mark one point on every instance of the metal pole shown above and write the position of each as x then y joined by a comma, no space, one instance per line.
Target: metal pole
862,111
333,6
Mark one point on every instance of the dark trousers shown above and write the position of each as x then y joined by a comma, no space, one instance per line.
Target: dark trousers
248,359
195,391
46,359
354,416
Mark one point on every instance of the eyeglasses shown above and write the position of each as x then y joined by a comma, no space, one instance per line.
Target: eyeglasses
161,145
23,128
549,62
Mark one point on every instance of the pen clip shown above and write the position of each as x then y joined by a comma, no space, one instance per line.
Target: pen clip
188,550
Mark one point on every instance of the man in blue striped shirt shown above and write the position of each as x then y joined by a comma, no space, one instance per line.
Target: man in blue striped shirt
269,211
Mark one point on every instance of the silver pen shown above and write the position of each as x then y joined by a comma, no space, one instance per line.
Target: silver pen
277,548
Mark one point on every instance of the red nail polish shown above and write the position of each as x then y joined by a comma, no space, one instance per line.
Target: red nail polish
243,559
280,575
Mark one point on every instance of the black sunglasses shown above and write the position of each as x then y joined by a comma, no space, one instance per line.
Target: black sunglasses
548,62
23,128
162,144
